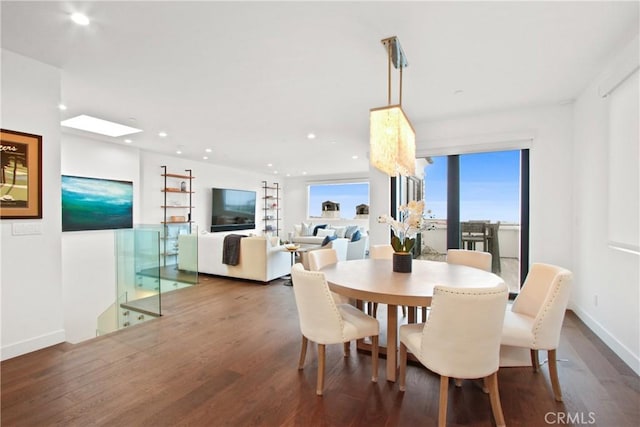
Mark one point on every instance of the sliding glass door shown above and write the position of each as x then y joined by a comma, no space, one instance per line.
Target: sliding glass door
480,202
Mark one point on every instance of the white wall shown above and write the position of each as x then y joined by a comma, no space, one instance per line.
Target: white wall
606,296
88,257
206,176
32,310
547,131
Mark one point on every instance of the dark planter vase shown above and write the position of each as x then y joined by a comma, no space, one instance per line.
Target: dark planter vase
402,262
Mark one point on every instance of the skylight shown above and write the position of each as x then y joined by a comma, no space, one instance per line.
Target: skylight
103,127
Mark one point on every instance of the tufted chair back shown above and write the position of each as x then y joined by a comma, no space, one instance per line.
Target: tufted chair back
381,252
544,297
320,320
476,259
321,257
464,346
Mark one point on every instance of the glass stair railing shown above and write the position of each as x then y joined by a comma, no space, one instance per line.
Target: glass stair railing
144,273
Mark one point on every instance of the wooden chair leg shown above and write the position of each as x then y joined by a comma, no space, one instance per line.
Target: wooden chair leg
347,348
403,367
320,381
424,314
374,358
375,310
553,374
534,360
485,385
444,396
494,397
303,352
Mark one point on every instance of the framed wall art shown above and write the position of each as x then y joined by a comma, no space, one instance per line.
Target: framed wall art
20,175
96,203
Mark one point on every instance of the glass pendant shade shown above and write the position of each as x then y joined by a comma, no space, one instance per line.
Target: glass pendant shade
392,141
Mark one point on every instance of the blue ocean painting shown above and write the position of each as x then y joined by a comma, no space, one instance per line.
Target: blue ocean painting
96,204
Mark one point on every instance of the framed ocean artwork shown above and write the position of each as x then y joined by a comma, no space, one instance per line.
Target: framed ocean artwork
96,203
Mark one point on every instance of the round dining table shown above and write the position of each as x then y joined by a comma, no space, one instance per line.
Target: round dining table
374,280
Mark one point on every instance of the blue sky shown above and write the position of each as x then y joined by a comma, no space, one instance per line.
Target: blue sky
348,195
489,186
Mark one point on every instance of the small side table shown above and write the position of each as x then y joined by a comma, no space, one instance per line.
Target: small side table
292,251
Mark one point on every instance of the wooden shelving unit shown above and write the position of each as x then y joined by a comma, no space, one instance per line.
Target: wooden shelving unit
271,208
182,208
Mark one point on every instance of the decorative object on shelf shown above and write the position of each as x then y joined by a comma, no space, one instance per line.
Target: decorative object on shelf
411,222
183,186
392,137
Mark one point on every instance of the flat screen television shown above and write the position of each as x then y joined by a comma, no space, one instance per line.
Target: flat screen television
232,209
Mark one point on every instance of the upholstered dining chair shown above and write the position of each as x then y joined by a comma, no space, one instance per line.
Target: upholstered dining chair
325,322
536,316
475,259
454,346
381,252
321,257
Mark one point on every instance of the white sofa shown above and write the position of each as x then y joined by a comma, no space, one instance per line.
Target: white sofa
355,250
259,259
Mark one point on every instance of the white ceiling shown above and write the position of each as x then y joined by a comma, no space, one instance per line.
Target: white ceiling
251,80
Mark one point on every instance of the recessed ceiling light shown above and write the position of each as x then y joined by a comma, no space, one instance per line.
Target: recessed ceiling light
269,164
354,157
103,127
311,135
208,150
205,158
178,152
80,19
288,174
62,107
275,172
128,141
162,134
304,173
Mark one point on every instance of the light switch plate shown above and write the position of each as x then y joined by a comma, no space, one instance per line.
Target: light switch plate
26,228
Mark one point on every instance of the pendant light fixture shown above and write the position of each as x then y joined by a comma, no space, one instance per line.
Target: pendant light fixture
392,138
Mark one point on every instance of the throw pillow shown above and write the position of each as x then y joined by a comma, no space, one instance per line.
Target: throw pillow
327,240
355,236
340,230
306,229
326,232
350,230
318,227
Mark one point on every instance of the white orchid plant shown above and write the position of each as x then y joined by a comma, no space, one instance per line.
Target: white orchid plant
411,222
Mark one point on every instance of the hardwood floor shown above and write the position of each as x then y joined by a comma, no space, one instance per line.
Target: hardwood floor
225,353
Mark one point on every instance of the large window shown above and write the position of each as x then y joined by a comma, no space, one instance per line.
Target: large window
480,202
348,195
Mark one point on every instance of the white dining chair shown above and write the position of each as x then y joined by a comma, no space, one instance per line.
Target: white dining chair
536,316
475,259
324,322
322,257
455,346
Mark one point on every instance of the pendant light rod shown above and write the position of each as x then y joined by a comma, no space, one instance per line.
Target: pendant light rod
398,58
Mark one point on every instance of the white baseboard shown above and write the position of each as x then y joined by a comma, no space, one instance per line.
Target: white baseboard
627,356
32,344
